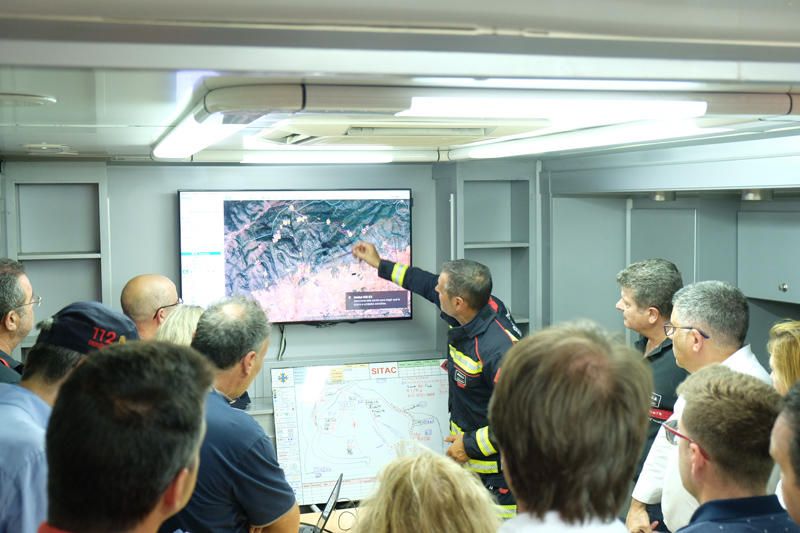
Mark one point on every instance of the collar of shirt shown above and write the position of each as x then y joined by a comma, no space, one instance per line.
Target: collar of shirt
22,398
552,522
737,509
744,360
641,345
9,361
476,326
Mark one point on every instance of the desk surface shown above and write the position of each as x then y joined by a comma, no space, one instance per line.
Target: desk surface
341,521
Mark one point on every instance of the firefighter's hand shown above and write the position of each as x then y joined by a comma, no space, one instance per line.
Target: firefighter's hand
456,450
366,252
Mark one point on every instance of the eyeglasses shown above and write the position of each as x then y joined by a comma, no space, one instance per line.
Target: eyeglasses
669,330
36,301
671,427
179,302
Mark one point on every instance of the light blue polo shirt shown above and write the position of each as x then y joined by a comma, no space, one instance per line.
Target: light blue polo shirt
23,463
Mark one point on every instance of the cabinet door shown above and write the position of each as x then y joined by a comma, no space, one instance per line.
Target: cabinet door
768,255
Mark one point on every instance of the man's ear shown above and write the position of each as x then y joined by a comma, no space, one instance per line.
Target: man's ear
697,341
248,361
178,493
161,316
11,320
698,460
653,315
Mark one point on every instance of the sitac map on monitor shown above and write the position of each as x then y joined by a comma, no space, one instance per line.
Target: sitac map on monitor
352,419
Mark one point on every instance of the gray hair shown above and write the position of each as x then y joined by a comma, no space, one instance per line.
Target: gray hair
470,280
180,325
719,308
11,293
653,283
230,329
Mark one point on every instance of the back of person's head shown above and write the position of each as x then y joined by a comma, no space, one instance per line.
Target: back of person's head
653,283
716,307
730,416
570,412
230,329
427,493
126,423
66,337
470,280
784,349
180,325
144,294
785,449
11,293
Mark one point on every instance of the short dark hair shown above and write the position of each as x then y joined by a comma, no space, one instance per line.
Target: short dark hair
11,293
548,382
717,307
730,415
470,280
230,329
125,423
653,282
49,362
791,410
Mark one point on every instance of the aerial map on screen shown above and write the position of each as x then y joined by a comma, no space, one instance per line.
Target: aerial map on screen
291,250
353,419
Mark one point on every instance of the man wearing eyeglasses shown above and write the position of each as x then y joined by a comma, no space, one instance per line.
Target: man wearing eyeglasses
16,305
708,325
725,463
147,299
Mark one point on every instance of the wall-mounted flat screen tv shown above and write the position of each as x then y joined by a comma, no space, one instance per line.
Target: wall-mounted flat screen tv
291,251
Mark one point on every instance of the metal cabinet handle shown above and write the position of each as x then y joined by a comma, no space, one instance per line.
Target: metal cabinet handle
783,287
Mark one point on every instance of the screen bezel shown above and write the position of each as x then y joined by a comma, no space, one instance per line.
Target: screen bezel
311,190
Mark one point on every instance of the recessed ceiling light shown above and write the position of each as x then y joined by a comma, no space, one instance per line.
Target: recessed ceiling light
22,99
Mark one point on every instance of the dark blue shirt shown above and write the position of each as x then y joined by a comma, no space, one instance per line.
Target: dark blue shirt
240,482
742,515
667,375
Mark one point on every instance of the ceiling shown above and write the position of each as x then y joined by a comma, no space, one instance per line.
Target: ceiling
123,74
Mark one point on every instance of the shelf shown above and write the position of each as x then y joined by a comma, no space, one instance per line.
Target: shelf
260,406
57,256
521,319
497,244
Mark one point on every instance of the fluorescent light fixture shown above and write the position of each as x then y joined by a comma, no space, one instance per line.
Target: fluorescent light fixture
558,109
591,138
563,84
316,156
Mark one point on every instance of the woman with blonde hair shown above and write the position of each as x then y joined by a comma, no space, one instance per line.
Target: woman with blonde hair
784,354
180,324
427,493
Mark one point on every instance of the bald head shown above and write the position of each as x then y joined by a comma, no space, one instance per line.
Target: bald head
143,300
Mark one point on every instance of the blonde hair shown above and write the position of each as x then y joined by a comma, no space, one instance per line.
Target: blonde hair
180,324
784,347
427,493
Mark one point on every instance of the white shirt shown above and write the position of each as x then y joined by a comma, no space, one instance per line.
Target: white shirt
552,523
660,479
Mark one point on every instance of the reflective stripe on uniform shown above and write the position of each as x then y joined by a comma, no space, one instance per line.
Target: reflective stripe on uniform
454,429
506,512
399,273
482,438
482,467
465,363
